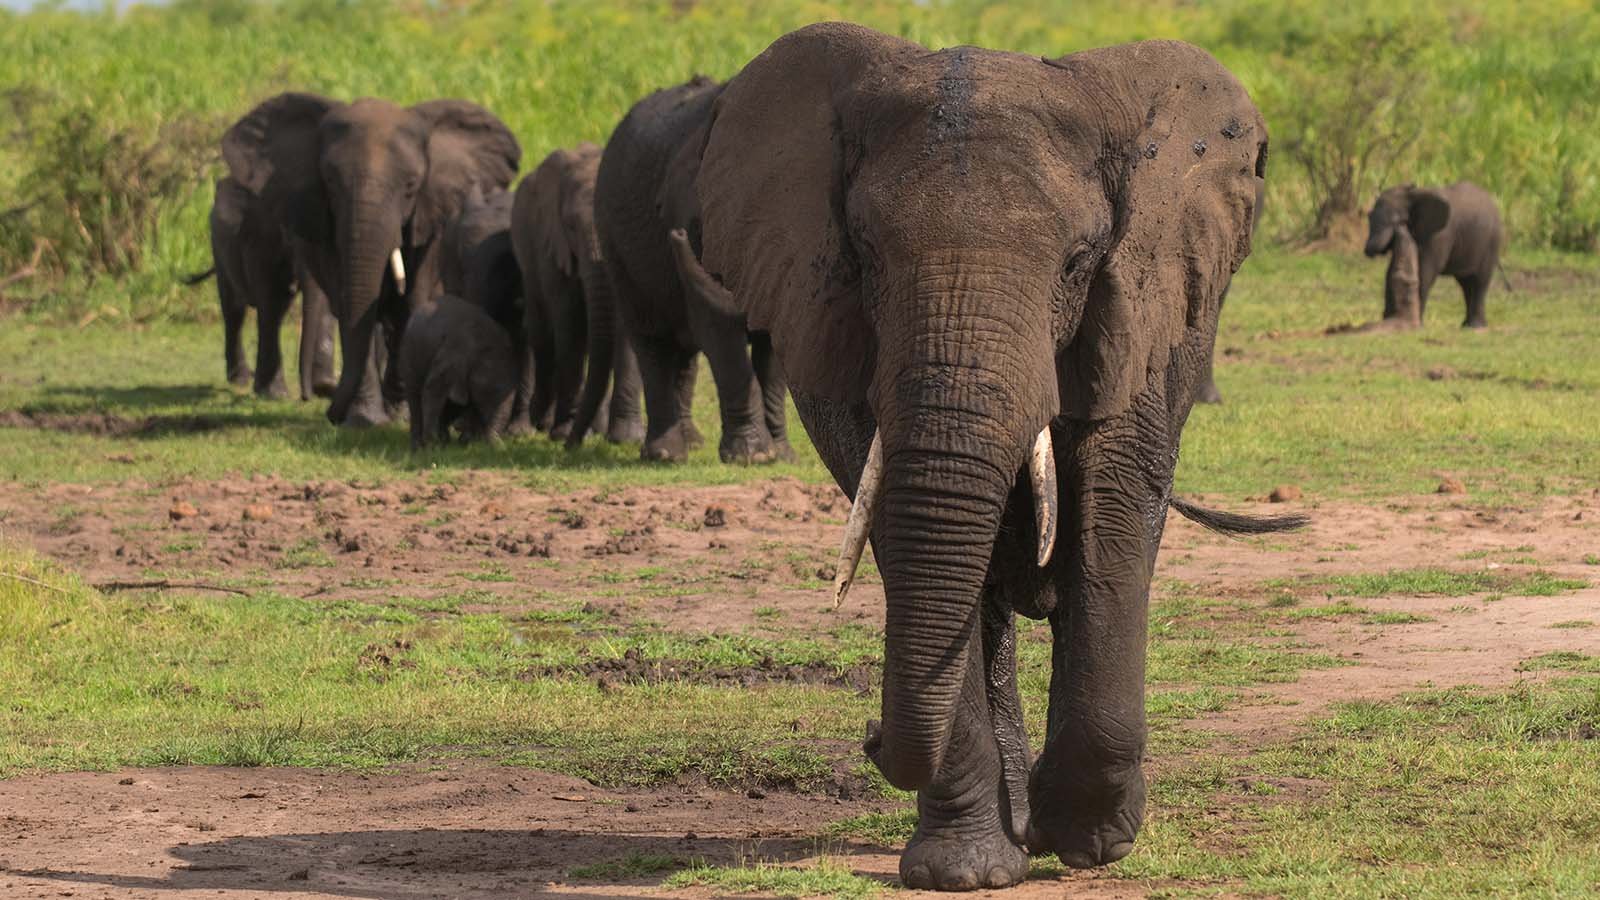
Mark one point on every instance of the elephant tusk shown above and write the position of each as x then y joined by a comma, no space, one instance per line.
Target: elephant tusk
1042,475
397,265
859,527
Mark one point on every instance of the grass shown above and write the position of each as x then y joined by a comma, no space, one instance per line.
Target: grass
628,868
827,877
1445,583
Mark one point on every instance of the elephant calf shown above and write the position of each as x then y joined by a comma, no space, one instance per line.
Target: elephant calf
1458,232
477,264
458,368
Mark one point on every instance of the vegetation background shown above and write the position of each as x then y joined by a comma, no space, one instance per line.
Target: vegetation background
109,121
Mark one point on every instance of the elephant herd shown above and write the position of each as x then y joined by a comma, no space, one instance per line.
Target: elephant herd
489,309
990,280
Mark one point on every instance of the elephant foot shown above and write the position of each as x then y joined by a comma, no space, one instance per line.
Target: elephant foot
519,426
324,386
561,431
1475,323
670,446
241,376
782,452
1086,826
626,431
1209,394
952,858
362,417
274,391
746,447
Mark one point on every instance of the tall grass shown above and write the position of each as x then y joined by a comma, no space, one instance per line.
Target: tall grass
1502,94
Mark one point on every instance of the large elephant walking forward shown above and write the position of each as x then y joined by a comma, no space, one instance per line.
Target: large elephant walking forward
644,191
993,282
368,187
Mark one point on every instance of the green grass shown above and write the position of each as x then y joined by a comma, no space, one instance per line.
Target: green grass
1444,583
628,868
1395,618
1563,660
827,877
1433,795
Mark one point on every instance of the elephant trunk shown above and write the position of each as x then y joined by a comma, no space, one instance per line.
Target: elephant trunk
368,239
603,334
965,383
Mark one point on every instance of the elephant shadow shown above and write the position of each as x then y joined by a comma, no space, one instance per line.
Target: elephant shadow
146,411
411,864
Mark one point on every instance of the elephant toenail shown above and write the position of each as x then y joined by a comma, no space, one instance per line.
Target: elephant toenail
999,876
961,880
918,877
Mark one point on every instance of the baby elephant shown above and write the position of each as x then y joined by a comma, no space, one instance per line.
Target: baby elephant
1457,231
459,368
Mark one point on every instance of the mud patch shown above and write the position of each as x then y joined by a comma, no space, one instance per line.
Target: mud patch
633,667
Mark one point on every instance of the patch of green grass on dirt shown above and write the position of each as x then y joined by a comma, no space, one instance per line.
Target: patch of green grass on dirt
1395,617
1425,582
96,681
632,867
1573,623
827,877
1432,795
1562,660
884,829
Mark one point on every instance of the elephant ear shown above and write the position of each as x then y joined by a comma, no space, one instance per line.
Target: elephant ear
1430,212
771,191
274,152
467,146
1186,169
548,184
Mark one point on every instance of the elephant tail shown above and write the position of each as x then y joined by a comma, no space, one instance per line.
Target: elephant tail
196,278
1504,277
1236,523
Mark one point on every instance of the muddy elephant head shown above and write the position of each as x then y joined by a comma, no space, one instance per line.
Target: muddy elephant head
369,185
1421,211
1014,265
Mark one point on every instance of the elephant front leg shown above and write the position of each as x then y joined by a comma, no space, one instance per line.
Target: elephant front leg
233,311
357,402
269,351
317,376
661,368
967,817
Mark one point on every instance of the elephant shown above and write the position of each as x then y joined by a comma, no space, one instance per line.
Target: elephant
459,367
367,188
257,266
570,308
644,190
993,281
477,265
1458,232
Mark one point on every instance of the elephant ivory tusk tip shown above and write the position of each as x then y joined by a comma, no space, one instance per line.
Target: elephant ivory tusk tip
859,527
397,265
1042,477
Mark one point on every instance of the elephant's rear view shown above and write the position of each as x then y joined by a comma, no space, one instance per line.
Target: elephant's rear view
993,281
1458,232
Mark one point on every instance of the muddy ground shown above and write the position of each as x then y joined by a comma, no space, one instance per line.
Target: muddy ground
691,560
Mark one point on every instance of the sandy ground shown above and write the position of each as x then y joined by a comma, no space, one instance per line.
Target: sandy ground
479,830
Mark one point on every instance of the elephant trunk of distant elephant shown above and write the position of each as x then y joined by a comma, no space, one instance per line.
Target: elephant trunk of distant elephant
603,335
368,239
1402,299
956,429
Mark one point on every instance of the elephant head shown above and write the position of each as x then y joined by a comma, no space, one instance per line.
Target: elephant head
1421,211
370,186
1014,265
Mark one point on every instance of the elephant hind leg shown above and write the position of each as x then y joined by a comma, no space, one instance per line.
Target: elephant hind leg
661,366
774,394
966,817
1475,289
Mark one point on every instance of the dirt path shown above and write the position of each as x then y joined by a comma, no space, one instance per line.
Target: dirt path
691,559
